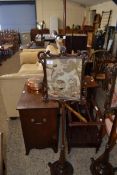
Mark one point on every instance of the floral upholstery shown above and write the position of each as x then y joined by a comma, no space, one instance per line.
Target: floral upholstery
64,77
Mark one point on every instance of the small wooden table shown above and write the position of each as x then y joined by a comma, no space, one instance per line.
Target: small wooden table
39,121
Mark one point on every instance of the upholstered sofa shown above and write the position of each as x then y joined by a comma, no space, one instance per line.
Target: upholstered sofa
11,85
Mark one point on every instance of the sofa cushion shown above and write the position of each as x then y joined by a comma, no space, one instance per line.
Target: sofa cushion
28,57
31,68
34,50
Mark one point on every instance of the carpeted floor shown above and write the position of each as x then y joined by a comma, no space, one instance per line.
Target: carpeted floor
36,163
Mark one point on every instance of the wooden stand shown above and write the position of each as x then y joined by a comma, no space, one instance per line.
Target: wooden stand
101,165
61,167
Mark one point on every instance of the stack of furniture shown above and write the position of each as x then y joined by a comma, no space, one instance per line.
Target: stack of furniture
9,43
10,37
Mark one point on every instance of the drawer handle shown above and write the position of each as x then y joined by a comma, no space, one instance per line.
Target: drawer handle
44,120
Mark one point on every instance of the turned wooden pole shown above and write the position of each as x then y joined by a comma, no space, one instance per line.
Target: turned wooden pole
64,17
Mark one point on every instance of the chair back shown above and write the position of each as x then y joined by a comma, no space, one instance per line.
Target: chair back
100,59
111,102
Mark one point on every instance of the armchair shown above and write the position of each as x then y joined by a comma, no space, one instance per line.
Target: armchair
101,61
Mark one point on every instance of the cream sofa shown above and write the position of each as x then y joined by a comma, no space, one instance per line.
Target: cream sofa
11,85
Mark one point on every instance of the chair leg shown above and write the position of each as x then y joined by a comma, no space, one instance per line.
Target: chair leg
103,131
101,134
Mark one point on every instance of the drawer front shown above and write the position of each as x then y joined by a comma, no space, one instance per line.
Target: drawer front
39,118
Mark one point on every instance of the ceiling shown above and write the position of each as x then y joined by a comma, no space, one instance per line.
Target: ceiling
90,2
82,2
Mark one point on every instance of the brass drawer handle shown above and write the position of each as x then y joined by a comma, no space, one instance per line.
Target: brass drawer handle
44,120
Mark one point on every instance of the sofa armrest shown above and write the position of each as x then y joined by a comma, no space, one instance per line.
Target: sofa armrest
29,56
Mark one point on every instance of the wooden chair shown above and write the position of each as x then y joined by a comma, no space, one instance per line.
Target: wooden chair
102,166
101,60
111,104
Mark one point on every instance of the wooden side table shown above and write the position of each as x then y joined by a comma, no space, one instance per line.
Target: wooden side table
39,121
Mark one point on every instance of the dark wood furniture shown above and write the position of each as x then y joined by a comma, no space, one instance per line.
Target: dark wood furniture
39,121
36,31
76,42
91,130
102,60
79,126
62,166
85,30
102,166
10,37
58,84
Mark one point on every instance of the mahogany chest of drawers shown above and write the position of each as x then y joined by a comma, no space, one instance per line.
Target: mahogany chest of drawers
39,121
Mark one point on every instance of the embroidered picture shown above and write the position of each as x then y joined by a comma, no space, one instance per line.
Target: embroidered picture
64,77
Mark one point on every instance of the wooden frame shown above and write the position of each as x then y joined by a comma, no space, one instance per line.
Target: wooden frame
63,77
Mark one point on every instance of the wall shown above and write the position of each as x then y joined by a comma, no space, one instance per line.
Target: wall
47,8
106,6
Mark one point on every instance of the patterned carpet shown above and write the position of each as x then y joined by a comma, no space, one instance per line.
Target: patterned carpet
36,163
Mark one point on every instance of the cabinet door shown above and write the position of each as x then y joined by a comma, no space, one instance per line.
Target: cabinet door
40,128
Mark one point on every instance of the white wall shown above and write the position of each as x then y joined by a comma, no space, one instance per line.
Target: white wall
47,8
106,6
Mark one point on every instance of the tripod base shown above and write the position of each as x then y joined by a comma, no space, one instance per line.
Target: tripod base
99,168
57,168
